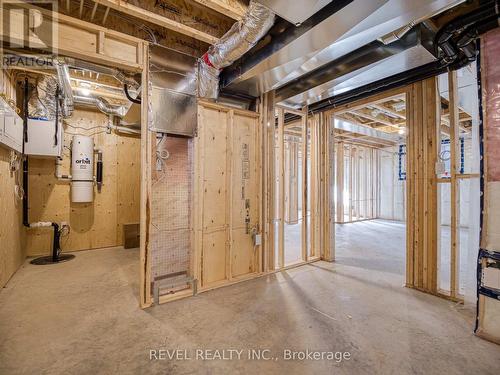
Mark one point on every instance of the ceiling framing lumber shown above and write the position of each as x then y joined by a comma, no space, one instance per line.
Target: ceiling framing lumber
157,19
231,8
127,24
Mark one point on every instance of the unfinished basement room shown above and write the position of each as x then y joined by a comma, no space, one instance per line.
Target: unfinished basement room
250,187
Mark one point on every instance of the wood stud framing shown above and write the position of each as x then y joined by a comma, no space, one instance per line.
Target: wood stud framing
422,146
455,192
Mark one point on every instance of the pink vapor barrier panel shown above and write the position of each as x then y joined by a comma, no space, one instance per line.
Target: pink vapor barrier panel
490,51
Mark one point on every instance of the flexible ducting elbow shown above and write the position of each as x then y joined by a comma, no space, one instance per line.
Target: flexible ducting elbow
106,107
242,36
103,105
65,87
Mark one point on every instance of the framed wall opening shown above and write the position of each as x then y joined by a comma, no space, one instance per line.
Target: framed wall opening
369,190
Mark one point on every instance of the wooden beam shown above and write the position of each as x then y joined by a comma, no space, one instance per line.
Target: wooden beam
94,9
105,17
231,8
79,39
363,113
157,19
388,110
379,98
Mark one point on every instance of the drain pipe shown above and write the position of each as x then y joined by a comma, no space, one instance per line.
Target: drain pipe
26,222
98,173
56,246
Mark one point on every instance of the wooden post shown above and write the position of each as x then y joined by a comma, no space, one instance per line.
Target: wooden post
352,153
281,183
329,203
454,184
291,182
269,207
304,182
145,264
340,182
422,150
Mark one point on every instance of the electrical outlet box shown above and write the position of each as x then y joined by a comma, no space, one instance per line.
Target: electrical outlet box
257,239
43,139
11,127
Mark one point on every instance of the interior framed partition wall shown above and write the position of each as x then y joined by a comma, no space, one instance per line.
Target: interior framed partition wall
457,182
422,126
294,216
356,182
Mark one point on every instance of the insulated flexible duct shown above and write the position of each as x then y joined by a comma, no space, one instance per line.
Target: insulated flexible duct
242,36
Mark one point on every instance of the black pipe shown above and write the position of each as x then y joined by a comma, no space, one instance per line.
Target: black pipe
481,174
56,243
445,34
355,60
462,57
99,172
133,100
56,124
26,221
281,34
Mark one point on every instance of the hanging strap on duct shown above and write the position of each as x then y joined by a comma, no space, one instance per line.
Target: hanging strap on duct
242,36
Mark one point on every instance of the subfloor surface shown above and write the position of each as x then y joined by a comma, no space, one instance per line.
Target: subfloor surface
82,317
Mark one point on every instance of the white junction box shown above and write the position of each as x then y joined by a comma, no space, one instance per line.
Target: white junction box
42,139
11,127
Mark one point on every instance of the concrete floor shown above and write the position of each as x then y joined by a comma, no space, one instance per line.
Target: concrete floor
82,317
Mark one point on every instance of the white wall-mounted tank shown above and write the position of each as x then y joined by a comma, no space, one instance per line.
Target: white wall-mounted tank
82,169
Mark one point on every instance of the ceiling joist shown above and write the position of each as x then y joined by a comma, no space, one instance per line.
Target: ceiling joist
157,19
231,8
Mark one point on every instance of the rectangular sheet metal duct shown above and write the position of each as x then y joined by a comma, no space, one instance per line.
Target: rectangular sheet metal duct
355,25
173,92
295,11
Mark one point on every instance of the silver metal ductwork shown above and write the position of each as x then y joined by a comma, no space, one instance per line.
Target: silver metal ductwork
103,105
65,87
295,12
113,72
242,36
352,27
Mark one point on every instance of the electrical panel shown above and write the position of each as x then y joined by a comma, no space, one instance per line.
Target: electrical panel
45,139
11,127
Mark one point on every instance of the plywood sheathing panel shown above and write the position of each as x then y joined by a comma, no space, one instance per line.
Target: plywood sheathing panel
72,37
226,195
93,225
12,232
